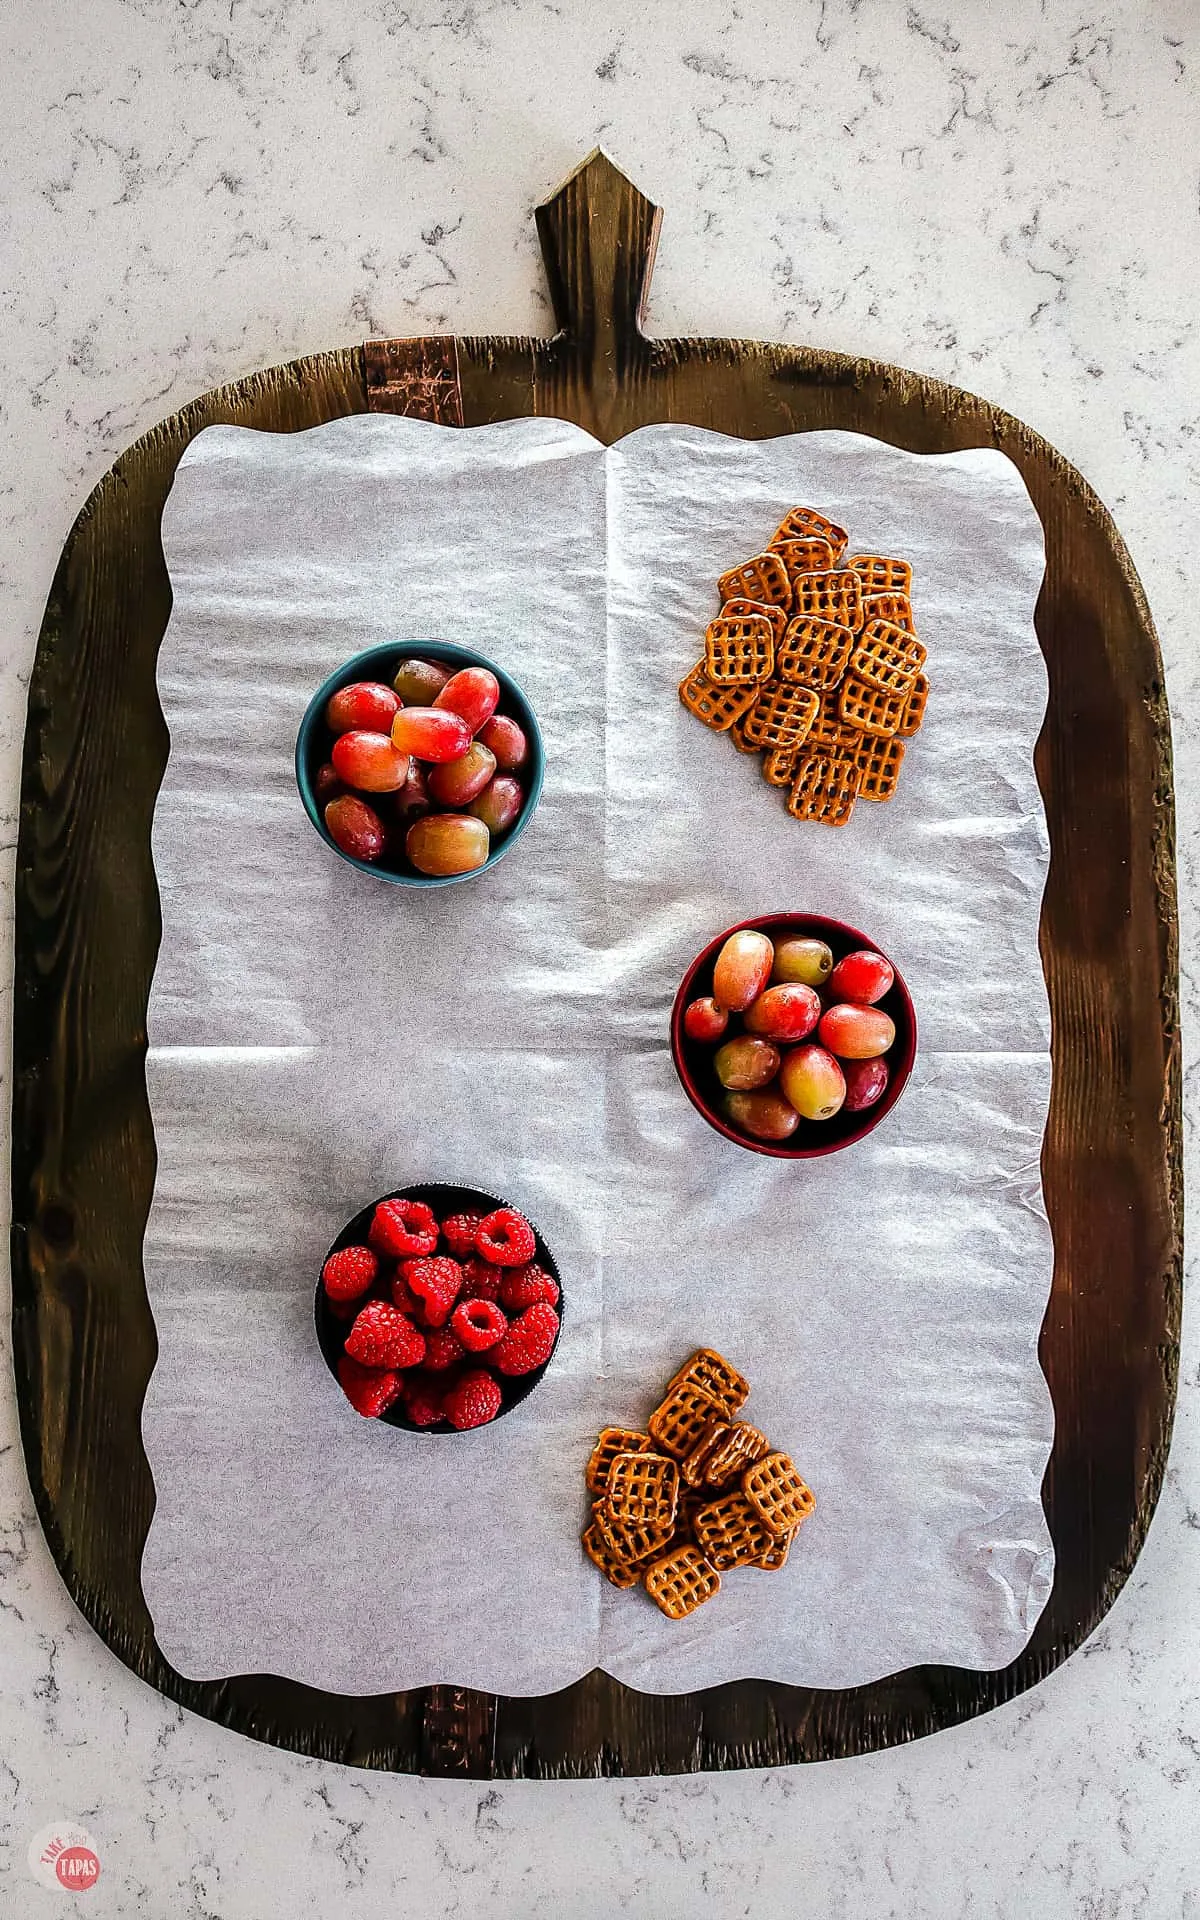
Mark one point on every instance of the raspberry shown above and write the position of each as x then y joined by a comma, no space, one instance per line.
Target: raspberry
368,1391
402,1228
481,1281
349,1273
423,1402
523,1287
506,1238
478,1324
381,1337
472,1401
528,1342
437,1283
443,1349
459,1233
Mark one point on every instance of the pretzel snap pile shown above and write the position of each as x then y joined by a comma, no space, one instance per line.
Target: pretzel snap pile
698,1493
814,662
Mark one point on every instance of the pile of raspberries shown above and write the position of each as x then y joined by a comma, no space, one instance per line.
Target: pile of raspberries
432,1328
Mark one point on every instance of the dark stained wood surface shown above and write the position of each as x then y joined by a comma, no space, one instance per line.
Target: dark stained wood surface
87,934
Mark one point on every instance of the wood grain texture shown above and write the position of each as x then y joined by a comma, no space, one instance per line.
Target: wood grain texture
87,934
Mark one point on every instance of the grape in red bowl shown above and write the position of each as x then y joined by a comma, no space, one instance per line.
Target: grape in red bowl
438,1309
793,1035
420,762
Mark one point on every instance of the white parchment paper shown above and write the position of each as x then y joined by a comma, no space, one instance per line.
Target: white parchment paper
318,1038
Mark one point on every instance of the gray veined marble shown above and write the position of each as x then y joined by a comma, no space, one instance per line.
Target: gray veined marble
1003,197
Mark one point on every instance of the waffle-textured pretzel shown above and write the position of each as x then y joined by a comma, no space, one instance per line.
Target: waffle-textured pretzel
878,767
763,578
730,1532
737,733
692,1467
742,1446
776,1554
914,708
682,1417
718,707
804,556
740,651
612,1441
829,732
622,1573
805,523
835,596
869,708
712,1374
814,653
885,656
781,716
643,1490
682,1581
760,609
825,788
777,1493
896,607
632,1541
779,764
880,575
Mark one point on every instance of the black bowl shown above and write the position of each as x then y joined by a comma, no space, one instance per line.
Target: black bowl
443,1199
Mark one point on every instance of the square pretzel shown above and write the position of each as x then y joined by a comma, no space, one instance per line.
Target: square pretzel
914,708
611,1442
740,1448
763,578
730,1532
682,1417
881,575
896,607
717,707
778,1495
694,1463
805,556
781,716
762,610
622,1573
779,764
682,1581
814,653
739,650
878,767
805,523
835,596
713,1374
887,657
643,1490
632,1540
825,788
869,708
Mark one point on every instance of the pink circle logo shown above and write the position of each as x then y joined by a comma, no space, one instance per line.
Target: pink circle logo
63,1857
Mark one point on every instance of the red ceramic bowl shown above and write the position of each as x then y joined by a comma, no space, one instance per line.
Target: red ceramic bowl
693,1061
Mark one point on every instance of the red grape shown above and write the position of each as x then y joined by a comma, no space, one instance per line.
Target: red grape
866,1081
413,798
506,740
766,1116
500,803
447,843
430,734
742,970
354,827
474,694
370,762
326,785
856,1033
456,781
787,1012
705,1020
365,706
813,1082
420,681
797,958
746,1062
863,977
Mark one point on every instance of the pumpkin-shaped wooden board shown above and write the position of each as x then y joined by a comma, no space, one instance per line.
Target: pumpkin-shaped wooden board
87,931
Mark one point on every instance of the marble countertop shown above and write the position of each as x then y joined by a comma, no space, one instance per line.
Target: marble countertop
1005,198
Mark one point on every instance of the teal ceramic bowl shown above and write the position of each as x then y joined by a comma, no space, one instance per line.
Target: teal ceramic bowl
382,663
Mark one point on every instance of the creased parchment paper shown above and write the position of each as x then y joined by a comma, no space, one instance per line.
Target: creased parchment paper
317,1037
